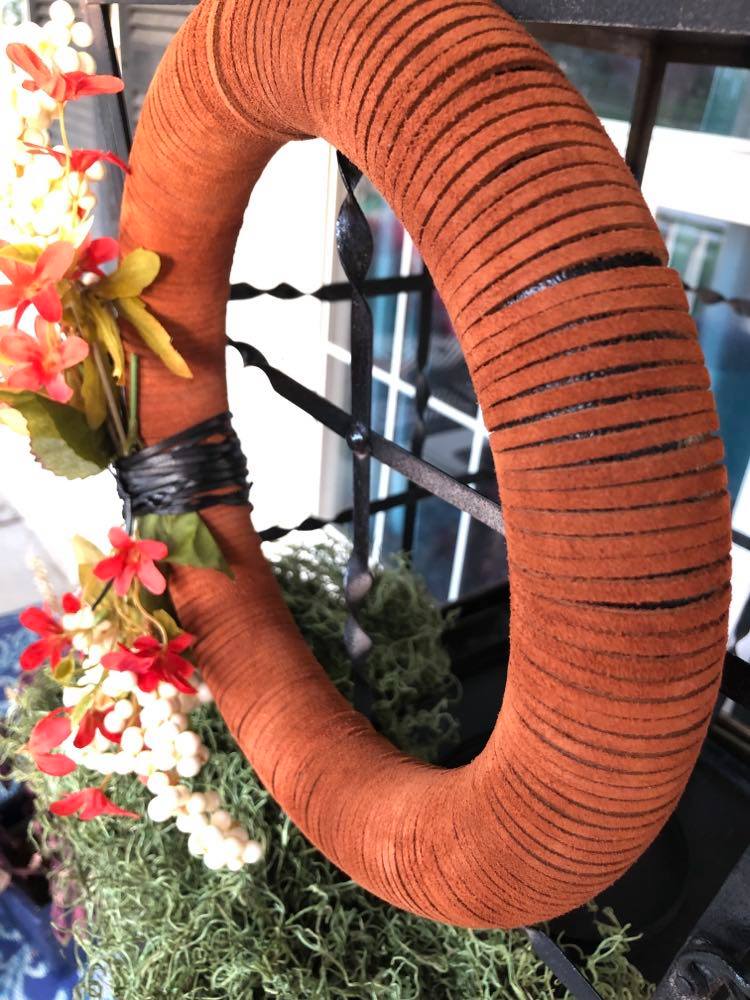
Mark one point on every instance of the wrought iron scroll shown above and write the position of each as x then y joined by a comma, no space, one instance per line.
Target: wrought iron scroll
354,246
715,961
421,398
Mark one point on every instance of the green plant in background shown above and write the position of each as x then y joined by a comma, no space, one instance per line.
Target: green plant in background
160,926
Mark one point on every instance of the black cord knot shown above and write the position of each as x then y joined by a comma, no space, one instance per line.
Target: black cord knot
202,466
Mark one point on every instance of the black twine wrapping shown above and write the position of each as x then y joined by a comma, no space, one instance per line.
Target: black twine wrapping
202,466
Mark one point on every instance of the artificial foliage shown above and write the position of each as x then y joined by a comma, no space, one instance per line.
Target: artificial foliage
155,924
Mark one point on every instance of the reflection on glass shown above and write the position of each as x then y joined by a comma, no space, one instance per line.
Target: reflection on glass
706,99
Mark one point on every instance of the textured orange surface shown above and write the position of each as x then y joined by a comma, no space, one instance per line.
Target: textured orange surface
601,422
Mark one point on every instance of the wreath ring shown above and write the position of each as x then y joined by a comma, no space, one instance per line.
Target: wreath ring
602,426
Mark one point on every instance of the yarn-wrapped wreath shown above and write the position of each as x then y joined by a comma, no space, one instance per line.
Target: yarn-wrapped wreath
602,426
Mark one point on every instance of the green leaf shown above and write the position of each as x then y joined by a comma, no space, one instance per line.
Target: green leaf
153,335
27,253
81,708
170,625
188,539
60,438
136,271
107,333
87,555
92,393
63,672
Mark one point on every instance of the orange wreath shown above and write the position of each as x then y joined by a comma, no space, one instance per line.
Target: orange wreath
602,426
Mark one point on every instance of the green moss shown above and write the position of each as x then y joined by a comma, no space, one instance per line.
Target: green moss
161,926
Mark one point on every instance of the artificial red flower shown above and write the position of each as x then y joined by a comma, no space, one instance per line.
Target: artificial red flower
36,284
52,644
47,734
60,86
133,560
152,662
39,362
80,159
93,253
92,802
87,727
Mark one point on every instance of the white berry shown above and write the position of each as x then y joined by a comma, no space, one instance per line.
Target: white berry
222,820
81,35
158,782
159,810
188,767
187,744
252,852
132,740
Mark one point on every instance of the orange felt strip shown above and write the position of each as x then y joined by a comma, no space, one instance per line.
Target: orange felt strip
602,429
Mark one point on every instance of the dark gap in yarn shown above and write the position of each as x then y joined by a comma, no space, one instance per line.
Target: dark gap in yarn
498,143
615,429
593,404
573,324
672,574
550,220
674,502
634,259
528,180
628,338
546,73
492,98
600,374
626,679
676,602
503,167
408,59
683,474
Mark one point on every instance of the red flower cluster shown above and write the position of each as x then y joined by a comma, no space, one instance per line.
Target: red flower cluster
53,642
152,662
132,560
39,362
36,284
60,86
80,159
92,802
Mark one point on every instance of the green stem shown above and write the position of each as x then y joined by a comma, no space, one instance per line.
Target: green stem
109,396
133,388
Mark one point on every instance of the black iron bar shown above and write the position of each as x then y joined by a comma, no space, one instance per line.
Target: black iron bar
337,291
421,398
430,478
555,959
354,246
645,108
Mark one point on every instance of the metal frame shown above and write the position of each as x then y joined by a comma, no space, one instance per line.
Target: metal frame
658,33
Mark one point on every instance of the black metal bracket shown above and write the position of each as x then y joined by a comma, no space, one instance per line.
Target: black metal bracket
714,963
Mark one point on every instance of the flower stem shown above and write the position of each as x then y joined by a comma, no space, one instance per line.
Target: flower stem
109,396
133,389
150,618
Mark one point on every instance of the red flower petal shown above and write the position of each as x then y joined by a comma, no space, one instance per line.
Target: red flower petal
56,764
119,538
54,261
39,621
151,578
34,655
50,731
67,805
109,568
48,304
152,549
70,604
181,642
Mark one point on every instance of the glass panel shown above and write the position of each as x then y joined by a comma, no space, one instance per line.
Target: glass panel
434,543
706,99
